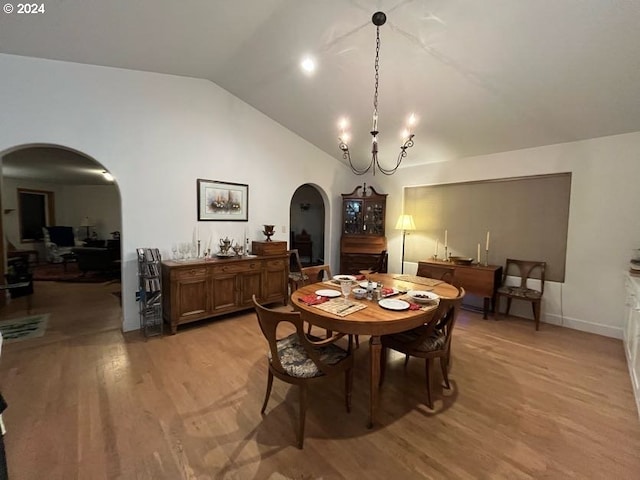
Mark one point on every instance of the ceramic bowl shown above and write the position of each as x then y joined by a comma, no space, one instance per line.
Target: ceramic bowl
359,292
422,296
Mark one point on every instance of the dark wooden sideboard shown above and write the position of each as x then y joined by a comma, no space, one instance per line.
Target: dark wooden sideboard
200,289
475,279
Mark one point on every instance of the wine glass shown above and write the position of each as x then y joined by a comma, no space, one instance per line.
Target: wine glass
345,286
174,250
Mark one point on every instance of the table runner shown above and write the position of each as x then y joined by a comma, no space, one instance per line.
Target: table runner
429,282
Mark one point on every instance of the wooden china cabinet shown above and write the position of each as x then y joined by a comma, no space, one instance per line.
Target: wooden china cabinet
363,220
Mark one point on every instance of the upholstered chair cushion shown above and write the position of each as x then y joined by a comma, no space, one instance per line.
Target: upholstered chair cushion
296,362
436,341
520,292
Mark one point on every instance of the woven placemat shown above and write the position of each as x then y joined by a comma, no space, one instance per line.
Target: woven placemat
340,306
429,282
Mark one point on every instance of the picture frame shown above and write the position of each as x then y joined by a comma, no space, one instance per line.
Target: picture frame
222,201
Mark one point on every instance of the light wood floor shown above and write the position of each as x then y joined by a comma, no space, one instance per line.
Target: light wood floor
87,402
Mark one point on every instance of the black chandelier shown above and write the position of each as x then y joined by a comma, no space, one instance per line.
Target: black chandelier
378,19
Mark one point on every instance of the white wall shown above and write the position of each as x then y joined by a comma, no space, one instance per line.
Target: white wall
157,134
603,220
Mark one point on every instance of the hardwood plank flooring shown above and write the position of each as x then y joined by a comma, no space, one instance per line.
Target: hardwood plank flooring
87,402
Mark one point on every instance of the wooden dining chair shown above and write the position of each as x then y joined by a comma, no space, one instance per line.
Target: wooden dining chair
428,270
317,273
296,277
298,359
431,340
381,263
524,269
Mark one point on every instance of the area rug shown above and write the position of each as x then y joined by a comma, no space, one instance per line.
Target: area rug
19,329
55,272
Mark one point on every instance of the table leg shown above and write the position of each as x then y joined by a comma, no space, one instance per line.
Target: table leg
485,310
375,348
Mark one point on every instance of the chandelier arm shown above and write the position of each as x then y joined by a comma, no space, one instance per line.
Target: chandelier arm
346,155
401,156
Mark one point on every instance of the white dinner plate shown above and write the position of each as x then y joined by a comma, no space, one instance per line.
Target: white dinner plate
339,278
393,304
328,293
364,284
422,296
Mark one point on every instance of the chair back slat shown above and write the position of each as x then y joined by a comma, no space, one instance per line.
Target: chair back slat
294,261
269,321
317,273
525,269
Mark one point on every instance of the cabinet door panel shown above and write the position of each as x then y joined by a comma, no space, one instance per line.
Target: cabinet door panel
223,292
192,296
250,284
275,283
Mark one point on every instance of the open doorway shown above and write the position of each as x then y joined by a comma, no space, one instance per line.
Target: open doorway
307,223
83,207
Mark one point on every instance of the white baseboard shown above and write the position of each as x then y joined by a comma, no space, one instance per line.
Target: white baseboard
584,326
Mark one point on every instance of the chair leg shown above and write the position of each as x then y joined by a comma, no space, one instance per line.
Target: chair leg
508,307
383,364
266,397
536,313
445,373
427,369
303,414
348,383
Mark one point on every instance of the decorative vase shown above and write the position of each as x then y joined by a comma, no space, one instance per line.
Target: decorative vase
269,231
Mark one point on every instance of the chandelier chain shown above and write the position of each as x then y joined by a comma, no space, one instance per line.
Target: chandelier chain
377,69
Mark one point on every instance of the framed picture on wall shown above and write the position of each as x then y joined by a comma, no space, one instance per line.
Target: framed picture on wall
222,201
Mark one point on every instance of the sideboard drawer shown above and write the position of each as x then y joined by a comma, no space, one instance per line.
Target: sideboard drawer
280,263
191,273
237,267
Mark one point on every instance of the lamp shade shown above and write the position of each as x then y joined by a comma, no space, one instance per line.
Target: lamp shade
86,222
405,222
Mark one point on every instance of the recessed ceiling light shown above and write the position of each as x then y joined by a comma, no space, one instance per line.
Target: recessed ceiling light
308,65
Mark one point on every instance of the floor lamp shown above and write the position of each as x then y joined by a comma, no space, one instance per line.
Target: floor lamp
405,223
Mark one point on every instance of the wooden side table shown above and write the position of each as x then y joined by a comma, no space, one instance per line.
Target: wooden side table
475,279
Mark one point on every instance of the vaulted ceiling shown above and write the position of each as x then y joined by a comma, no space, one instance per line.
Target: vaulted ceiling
482,76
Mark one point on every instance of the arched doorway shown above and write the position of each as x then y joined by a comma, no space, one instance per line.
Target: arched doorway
80,198
307,224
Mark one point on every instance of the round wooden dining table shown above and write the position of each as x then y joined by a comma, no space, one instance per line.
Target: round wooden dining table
372,320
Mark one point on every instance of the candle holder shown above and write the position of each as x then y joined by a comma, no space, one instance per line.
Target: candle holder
198,248
446,257
486,258
435,257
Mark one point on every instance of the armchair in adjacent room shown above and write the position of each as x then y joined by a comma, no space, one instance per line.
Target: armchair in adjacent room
59,241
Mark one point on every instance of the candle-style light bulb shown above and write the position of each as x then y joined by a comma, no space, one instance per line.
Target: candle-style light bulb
412,120
405,135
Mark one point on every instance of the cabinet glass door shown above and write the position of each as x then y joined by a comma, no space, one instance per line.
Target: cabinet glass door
352,217
373,219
